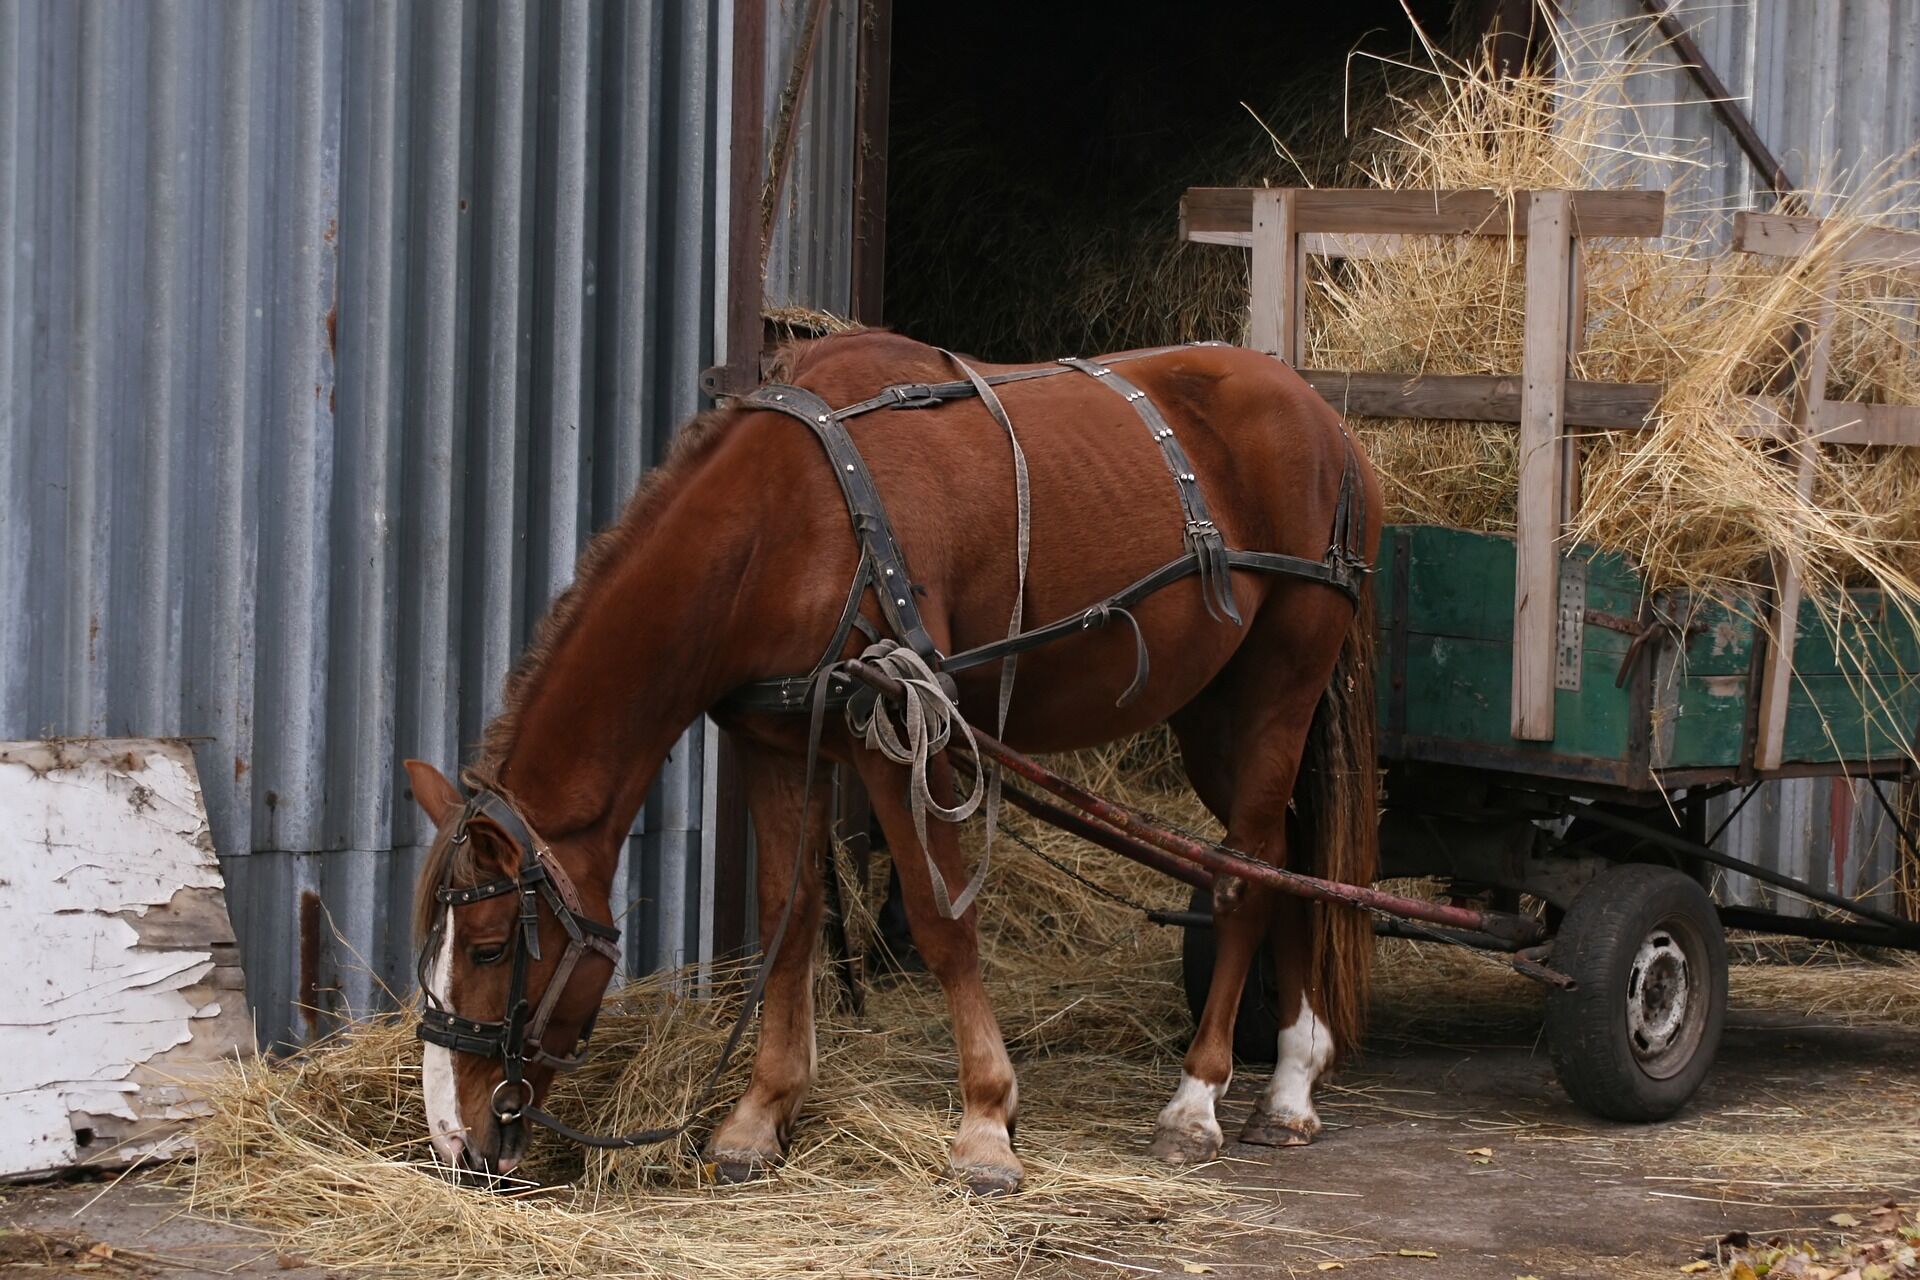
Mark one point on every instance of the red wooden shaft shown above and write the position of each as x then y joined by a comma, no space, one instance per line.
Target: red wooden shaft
1217,859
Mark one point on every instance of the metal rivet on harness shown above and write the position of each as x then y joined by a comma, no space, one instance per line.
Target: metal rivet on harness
849,466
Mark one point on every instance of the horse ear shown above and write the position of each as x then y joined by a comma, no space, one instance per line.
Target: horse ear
431,788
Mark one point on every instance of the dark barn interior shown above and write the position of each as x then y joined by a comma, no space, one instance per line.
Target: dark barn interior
1037,153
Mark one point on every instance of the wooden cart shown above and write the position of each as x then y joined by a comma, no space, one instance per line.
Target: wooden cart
1546,726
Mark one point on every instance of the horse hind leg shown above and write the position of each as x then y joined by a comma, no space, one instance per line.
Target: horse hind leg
982,1157
1245,763
753,1137
1285,1116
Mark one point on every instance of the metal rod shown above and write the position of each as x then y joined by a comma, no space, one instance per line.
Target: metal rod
1733,813
1218,859
1899,828
1823,930
1653,835
1772,172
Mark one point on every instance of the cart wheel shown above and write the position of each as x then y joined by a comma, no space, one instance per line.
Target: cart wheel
1256,1027
1636,1038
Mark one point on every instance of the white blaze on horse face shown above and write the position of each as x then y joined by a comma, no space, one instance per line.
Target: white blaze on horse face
444,1129
1191,1110
1306,1047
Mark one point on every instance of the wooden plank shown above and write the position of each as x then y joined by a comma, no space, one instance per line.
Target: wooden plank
1542,458
1318,244
1848,422
1780,235
128,994
1275,296
1479,397
1776,677
1207,212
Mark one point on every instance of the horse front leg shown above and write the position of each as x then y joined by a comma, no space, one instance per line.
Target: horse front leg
754,1135
982,1156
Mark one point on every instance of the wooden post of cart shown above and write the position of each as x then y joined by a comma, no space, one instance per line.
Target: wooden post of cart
1547,474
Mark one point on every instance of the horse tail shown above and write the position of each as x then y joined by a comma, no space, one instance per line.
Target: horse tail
1337,812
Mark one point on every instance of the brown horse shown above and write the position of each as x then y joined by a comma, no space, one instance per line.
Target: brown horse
732,563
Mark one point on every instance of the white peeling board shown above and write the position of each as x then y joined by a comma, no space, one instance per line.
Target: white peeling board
122,981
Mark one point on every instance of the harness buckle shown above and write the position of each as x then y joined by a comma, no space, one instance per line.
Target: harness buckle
913,395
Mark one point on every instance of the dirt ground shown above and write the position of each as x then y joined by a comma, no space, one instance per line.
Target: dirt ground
1469,1154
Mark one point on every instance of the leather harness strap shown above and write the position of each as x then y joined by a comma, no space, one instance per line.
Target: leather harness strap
1343,567
1203,538
870,524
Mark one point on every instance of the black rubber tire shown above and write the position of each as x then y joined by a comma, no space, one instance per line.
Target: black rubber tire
1256,1027
1639,941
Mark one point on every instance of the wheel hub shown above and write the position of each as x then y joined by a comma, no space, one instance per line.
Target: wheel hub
1658,994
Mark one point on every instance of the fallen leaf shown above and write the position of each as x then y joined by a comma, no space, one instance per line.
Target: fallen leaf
289,1261
1526,1278
1695,1268
1481,1151
1843,1220
1741,1271
1331,1266
101,1250
1195,1269
1876,1271
1416,1253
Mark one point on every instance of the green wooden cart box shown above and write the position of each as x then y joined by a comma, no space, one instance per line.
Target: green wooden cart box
1633,706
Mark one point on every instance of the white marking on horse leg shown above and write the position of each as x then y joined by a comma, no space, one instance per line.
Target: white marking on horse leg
1187,1125
1306,1047
444,1129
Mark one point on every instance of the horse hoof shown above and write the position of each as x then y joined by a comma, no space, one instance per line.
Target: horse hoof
1184,1146
988,1180
1272,1131
735,1167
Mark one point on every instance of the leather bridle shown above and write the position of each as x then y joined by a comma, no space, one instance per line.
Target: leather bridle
517,1039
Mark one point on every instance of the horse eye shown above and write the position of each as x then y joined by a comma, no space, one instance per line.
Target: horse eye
487,955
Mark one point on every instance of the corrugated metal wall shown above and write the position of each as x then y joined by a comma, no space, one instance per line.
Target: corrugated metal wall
328,333
1834,89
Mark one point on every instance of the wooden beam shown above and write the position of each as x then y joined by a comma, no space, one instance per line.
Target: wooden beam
1480,397
1776,678
1726,104
1847,422
1275,297
1210,214
1537,526
1780,235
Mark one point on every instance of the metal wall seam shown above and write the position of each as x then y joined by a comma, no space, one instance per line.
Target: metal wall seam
15,671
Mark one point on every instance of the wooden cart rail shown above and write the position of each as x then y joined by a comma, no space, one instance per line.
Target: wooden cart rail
1283,227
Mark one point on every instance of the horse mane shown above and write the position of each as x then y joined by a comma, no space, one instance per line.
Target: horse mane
693,441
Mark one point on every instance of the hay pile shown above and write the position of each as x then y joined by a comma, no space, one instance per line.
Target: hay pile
327,1152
